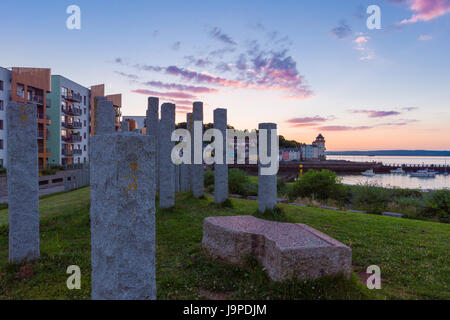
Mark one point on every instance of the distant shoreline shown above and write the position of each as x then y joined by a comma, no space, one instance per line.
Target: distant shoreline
396,153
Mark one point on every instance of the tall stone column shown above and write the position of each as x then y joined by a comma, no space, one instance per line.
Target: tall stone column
23,185
197,139
267,184
166,166
124,126
152,129
221,170
104,117
123,216
185,177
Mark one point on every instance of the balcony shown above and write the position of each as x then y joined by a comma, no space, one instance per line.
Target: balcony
72,139
70,153
40,134
67,152
71,125
71,111
20,94
41,150
41,115
76,97
36,99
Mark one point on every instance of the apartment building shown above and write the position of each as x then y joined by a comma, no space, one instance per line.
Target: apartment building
26,85
65,113
71,112
116,99
5,96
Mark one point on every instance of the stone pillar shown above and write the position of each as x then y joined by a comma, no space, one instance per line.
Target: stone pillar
221,170
185,177
197,169
177,178
104,117
125,126
123,216
23,185
66,184
166,166
267,184
152,129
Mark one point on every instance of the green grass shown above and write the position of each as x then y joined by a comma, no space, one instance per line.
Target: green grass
413,255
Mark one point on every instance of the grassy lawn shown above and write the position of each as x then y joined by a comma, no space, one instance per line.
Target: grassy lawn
413,255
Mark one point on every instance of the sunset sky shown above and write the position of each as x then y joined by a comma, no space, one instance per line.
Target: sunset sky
310,66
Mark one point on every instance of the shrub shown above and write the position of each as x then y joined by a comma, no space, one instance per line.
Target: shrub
209,178
315,184
48,171
371,198
277,214
2,170
237,181
281,187
406,193
437,205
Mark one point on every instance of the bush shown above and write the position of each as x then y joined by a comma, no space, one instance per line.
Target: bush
281,187
406,193
240,183
371,198
209,178
437,205
315,184
2,170
48,171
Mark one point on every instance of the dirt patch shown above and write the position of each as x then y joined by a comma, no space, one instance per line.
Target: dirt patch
214,295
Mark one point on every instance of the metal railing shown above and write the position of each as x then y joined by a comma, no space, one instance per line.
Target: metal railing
73,138
71,125
72,111
72,96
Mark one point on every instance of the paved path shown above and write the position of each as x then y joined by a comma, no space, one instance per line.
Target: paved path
4,199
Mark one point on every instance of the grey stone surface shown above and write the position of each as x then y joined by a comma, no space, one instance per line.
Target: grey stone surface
197,173
286,250
152,129
104,117
66,184
177,178
23,186
124,126
185,176
166,166
221,170
267,184
123,216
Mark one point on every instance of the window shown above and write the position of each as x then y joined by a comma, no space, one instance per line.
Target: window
84,101
84,135
84,147
1,85
84,110
1,163
85,123
1,105
1,144
1,124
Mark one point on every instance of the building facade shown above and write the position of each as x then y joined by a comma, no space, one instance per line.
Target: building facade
71,111
306,152
65,113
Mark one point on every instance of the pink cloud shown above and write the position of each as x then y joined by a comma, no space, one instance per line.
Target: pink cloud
343,128
425,37
377,113
181,87
169,95
426,10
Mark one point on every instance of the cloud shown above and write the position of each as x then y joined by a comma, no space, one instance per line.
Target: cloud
427,10
425,37
174,95
377,113
216,33
176,46
410,108
343,128
304,120
155,33
180,87
198,62
342,31
127,75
